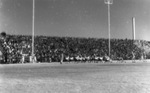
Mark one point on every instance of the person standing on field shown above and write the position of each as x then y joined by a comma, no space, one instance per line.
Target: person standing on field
62,58
133,57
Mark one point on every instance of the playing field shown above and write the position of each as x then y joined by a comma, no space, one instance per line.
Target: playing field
75,78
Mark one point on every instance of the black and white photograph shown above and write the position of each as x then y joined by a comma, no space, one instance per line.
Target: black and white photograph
74,46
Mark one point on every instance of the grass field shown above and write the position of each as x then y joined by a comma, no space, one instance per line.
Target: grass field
75,78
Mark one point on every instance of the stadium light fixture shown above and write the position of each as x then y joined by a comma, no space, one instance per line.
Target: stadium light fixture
108,2
33,11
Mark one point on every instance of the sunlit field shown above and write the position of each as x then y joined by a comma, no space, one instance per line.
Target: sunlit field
75,78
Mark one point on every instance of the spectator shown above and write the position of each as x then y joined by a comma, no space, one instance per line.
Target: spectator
55,49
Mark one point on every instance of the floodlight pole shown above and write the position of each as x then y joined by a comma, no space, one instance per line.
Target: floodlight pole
109,27
33,31
108,2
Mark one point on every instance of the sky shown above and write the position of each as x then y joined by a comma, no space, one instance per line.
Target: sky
76,18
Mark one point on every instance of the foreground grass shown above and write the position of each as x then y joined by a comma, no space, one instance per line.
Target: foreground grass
75,78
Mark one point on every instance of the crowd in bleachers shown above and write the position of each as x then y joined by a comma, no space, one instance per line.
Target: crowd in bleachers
56,49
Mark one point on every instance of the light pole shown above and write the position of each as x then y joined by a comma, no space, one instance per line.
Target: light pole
108,2
32,55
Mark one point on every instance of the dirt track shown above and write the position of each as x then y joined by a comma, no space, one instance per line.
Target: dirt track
75,78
